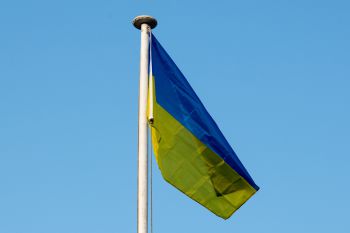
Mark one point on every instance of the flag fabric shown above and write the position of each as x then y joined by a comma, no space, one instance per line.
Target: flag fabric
191,152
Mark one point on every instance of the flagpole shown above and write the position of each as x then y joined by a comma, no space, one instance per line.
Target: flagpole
145,24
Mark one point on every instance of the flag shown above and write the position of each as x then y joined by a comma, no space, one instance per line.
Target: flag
191,152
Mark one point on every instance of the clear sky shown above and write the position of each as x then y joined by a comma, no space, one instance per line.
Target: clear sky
275,75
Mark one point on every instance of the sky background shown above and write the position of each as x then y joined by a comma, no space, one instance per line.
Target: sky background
273,74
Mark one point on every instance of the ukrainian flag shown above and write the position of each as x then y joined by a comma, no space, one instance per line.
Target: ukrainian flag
191,152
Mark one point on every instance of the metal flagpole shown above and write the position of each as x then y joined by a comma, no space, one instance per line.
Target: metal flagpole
145,24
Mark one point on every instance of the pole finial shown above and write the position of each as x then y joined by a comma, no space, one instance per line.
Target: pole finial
141,19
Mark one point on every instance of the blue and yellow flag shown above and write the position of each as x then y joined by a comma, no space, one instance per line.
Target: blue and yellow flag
191,152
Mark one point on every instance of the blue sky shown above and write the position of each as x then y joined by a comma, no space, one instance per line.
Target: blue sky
273,74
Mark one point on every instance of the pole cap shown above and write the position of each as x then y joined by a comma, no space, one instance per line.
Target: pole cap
141,19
